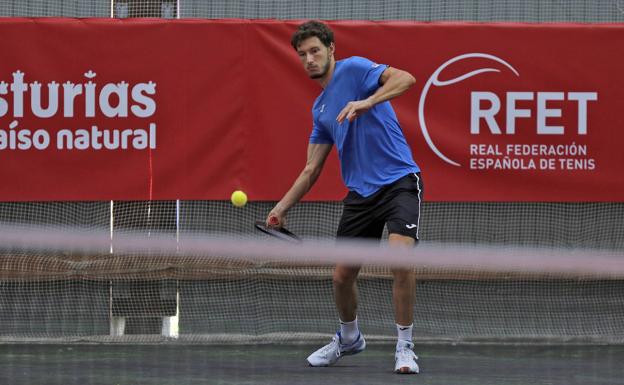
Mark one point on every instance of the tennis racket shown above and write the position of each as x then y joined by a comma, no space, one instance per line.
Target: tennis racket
277,232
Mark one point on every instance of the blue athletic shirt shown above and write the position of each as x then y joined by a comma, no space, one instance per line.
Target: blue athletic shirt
372,149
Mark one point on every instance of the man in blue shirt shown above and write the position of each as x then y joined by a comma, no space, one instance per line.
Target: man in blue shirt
353,113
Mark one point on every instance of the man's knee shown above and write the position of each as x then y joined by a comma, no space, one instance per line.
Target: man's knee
345,275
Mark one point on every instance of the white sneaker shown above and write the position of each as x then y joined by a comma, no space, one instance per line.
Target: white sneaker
405,359
330,353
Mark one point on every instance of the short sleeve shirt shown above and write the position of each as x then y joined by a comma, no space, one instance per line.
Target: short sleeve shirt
372,149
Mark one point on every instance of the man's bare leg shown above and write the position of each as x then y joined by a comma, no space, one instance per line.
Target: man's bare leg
345,291
403,298
404,286
348,341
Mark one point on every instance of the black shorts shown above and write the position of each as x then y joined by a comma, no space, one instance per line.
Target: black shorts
396,205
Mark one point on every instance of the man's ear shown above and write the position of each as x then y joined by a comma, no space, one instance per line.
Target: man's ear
332,48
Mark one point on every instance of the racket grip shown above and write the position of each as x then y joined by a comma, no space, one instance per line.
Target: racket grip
273,221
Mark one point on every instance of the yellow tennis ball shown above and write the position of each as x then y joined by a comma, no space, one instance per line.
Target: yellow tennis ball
239,198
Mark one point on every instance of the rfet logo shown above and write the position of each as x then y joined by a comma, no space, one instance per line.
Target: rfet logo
494,114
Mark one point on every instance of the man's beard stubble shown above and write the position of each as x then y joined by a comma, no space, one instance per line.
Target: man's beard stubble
322,73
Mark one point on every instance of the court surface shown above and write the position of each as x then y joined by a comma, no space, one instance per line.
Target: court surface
285,364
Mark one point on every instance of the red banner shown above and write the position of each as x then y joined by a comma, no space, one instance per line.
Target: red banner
99,109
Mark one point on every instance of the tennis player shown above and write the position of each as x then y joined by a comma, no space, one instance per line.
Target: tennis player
385,188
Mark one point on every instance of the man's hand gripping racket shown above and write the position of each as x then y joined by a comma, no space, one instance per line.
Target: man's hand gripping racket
274,229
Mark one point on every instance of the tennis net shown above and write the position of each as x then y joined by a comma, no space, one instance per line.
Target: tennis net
62,283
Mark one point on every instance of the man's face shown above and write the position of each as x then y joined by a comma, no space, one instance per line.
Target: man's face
315,57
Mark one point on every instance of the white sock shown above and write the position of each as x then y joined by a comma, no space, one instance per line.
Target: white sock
349,331
405,332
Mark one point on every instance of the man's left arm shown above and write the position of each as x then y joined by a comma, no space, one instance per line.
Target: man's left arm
393,82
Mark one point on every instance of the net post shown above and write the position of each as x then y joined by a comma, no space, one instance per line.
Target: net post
170,324
117,324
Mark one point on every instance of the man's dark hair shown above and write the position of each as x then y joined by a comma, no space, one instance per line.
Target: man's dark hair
310,29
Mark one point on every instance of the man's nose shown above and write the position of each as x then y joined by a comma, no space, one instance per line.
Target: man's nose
309,58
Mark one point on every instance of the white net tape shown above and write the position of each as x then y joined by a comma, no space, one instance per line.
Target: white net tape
431,255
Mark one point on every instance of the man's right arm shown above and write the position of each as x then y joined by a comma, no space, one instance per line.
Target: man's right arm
317,154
